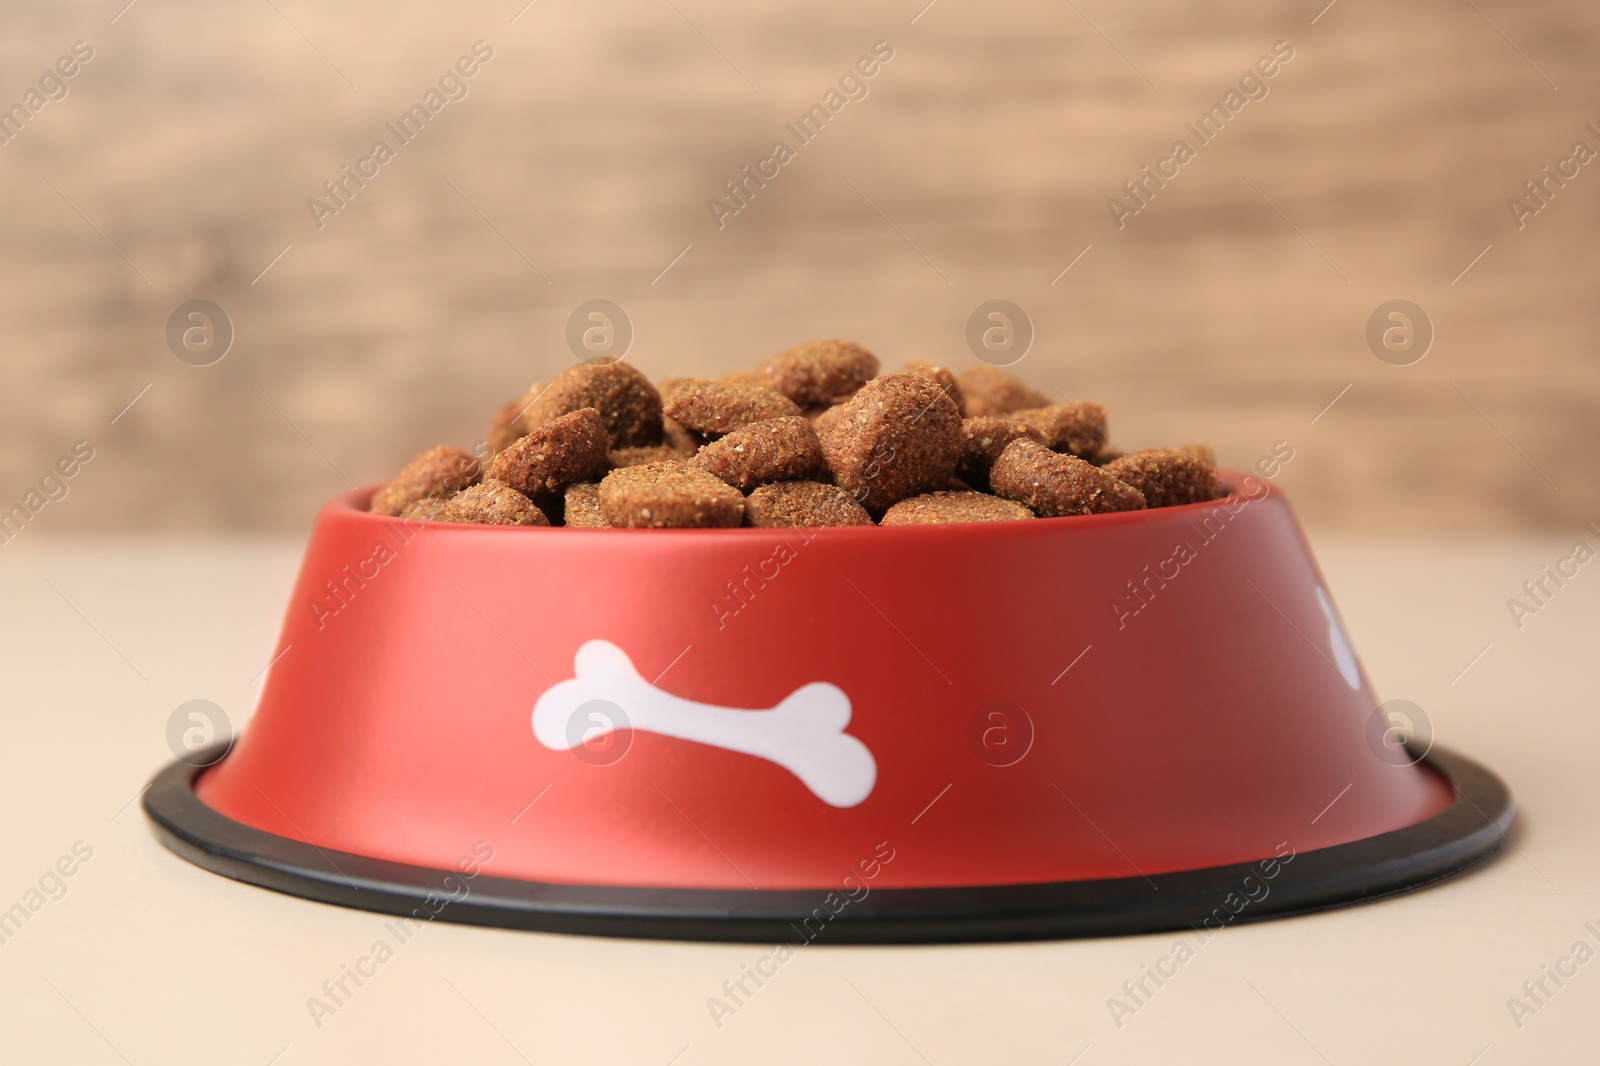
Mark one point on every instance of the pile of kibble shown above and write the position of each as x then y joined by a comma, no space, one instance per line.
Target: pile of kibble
813,436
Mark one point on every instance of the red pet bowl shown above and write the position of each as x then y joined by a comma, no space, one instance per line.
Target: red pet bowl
1071,726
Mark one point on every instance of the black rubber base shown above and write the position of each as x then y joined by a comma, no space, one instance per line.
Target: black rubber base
1468,831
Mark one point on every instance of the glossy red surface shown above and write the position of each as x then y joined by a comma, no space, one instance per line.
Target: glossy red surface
1212,720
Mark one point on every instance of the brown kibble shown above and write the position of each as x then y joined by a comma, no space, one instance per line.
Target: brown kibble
508,422
823,418
437,472
819,373
492,503
803,503
1107,453
714,408
777,449
1053,483
1079,428
899,437
1166,476
944,376
668,496
583,506
990,391
506,426
937,508
568,448
621,457
677,438
743,376
983,438
426,509
601,447
629,406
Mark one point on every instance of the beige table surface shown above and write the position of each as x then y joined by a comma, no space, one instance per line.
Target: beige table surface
146,959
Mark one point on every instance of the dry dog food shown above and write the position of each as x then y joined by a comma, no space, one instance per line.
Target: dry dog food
427,509
803,503
492,503
566,449
713,408
441,471
1166,477
508,425
583,506
983,438
650,453
628,404
813,436
1079,428
777,449
935,508
1106,454
989,391
819,373
898,436
674,436
668,495
1050,483
944,376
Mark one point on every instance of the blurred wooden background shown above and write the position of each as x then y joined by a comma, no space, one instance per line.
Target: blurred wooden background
1233,309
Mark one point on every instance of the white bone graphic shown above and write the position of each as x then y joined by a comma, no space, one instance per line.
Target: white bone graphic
804,733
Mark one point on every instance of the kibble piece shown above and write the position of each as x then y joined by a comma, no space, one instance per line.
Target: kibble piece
1053,483
506,427
1166,476
492,503
777,449
936,508
1108,453
1201,452
583,506
743,376
656,453
677,438
899,437
714,408
823,418
508,422
1079,428
944,376
989,391
668,496
983,438
819,373
803,503
426,509
439,471
629,406
568,448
